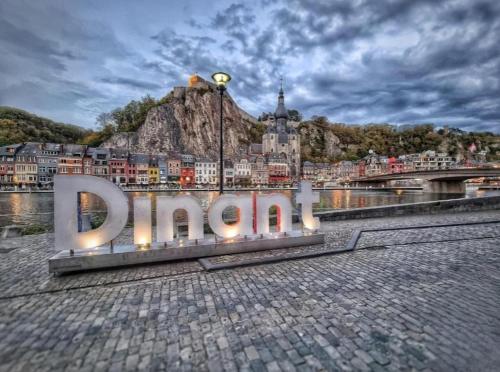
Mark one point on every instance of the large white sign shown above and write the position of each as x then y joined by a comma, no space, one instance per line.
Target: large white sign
253,218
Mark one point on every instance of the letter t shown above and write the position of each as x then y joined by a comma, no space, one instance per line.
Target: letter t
305,197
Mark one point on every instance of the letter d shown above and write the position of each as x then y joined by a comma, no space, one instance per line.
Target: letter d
66,189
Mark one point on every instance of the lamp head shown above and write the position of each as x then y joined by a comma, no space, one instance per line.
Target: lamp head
221,79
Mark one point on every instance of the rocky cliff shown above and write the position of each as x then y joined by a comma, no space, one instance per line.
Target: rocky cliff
188,122
318,142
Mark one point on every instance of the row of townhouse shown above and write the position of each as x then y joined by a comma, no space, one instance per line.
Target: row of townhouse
35,164
373,164
257,170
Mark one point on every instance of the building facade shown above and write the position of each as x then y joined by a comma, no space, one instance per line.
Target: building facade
260,172
242,172
100,161
173,169
205,172
118,164
47,161
71,160
282,139
228,172
278,170
8,164
26,169
431,160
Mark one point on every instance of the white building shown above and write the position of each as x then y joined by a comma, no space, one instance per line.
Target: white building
430,160
228,172
205,172
242,171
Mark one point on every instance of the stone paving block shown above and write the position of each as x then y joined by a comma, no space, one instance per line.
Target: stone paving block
414,305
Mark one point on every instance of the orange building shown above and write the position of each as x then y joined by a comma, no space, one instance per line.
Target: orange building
193,80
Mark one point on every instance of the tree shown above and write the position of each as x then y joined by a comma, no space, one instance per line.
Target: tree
104,119
294,115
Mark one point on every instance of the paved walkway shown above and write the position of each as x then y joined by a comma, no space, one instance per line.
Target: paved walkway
406,299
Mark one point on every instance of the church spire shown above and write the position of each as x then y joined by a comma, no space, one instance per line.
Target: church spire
281,111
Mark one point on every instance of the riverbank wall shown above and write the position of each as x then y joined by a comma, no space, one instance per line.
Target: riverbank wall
431,207
228,190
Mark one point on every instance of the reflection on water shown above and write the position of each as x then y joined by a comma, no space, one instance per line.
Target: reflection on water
24,208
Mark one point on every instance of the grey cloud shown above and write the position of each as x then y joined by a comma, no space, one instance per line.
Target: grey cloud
365,61
138,84
236,21
424,83
52,60
25,44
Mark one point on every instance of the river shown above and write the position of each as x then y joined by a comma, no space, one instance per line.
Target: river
37,208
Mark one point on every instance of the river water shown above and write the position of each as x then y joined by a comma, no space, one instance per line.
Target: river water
38,208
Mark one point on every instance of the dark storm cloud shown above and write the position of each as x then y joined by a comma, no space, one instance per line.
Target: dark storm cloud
360,61
24,43
190,53
312,23
236,21
448,75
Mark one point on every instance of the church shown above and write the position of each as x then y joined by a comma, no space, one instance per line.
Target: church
282,140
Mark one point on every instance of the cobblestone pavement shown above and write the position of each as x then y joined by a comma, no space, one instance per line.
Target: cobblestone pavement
411,299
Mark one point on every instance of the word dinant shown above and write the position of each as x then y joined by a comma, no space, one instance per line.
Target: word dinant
253,213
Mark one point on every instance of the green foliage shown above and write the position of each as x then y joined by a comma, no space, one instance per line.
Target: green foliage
34,229
18,126
97,220
385,139
130,117
96,138
123,119
256,132
294,115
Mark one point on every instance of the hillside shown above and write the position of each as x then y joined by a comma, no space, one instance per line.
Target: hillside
20,126
325,141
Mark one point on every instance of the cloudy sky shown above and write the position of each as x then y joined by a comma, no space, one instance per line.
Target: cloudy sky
354,61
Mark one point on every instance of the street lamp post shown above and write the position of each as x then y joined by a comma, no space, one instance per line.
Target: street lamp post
221,79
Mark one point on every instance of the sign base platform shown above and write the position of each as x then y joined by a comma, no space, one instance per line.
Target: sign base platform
126,255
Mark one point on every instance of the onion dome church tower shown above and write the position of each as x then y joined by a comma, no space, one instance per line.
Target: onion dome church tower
281,139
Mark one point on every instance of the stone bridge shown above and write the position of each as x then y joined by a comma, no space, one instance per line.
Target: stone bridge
443,180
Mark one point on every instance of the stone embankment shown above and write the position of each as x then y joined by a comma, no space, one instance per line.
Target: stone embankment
431,207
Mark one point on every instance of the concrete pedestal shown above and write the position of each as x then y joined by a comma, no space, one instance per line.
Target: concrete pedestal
125,255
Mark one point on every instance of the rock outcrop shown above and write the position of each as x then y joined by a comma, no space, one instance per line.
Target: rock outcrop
189,123
318,142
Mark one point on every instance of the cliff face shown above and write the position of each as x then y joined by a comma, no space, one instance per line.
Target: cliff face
318,142
189,123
